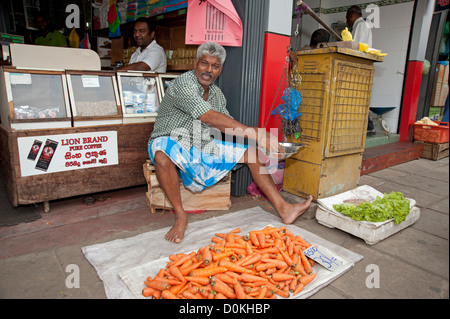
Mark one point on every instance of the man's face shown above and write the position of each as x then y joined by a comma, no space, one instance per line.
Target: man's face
142,34
350,19
42,24
207,69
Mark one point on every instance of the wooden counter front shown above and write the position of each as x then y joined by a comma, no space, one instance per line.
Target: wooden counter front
132,153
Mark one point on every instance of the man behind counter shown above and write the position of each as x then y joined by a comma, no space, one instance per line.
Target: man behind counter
149,56
48,35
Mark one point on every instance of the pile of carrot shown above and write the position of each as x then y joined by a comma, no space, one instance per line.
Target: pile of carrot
263,264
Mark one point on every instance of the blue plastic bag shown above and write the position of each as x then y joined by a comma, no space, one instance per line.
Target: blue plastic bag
289,109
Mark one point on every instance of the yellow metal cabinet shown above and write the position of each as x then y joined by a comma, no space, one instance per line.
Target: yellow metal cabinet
336,87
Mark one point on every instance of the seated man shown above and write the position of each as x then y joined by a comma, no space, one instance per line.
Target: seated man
181,141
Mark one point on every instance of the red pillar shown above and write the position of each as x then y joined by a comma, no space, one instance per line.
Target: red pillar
410,99
274,57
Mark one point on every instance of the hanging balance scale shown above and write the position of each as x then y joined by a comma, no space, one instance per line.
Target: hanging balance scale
289,110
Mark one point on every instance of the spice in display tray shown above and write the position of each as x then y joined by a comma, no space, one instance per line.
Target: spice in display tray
28,112
102,108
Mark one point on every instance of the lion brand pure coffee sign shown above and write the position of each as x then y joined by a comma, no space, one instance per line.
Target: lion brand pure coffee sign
66,152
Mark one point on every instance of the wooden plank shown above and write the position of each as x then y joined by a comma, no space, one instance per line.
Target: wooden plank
216,197
434,151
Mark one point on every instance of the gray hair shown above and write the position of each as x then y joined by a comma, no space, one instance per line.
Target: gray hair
212,49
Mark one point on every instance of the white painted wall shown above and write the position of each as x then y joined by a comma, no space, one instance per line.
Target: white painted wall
277,21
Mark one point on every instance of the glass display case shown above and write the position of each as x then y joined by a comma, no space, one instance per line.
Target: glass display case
139,95
94,98
33,99
164,80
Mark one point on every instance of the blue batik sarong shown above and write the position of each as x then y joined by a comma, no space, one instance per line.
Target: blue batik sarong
199,170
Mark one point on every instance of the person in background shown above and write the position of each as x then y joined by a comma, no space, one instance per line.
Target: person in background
181,141
47,33
361,32
319,36
149,56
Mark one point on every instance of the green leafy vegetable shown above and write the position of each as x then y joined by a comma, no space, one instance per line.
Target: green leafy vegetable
392,205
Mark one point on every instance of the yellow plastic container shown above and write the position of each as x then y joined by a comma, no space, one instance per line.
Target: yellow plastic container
336,88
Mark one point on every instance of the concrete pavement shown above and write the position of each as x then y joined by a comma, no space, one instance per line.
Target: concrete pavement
36,258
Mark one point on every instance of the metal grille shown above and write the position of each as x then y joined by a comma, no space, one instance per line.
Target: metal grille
312,89
353,86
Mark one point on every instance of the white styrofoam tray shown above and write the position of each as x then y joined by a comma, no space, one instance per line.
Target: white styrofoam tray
370,232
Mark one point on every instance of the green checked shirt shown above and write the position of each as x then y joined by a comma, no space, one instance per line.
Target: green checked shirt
180,110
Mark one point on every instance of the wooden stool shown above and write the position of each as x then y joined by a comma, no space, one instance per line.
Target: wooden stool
216,197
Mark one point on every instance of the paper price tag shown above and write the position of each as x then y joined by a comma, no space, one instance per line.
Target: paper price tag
323,256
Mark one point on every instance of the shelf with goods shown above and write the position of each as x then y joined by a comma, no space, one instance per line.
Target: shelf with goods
94,98
33,99
170,34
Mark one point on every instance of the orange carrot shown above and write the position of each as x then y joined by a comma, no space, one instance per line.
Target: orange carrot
205,255
301,241
290,250
188,295
278,263
254,259
216,240
225,278
236,230
239,290
186,270
293,284
147,291
200,280
264,266
234,275
220,296
288,233
207,272
261,239
262,293
233,267
175,271
299,288
281,277
158,284
181,260
219,286
254,239
170,280
307,279
229,238
219,256
248,248
305,262
271,271
166,294
252,278
156,294
175,289
286,257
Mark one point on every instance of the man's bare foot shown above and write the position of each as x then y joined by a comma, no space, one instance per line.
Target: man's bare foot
176,233
290,212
